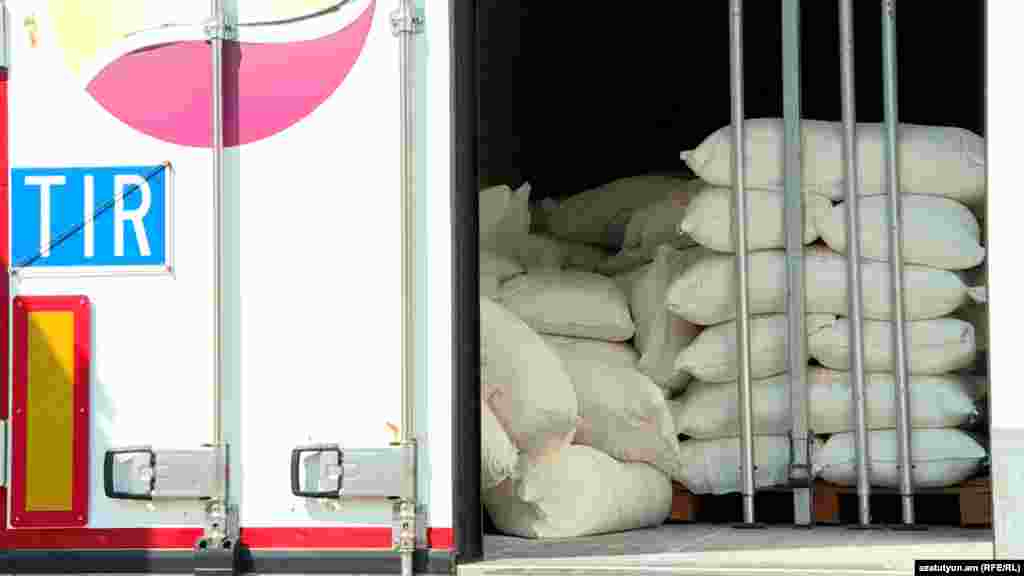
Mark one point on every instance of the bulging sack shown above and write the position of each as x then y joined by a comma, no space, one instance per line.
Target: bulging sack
705,294
579,493
935,160
933,346
622,412
618,353
710,410
937,232
712,356
498,456
504,236
543,252
658,223
709,219
713,466
941,457
600,215
525,383
660,335
570,303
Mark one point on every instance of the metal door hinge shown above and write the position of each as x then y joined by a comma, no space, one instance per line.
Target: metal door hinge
3,452
397,526
142,473
405,21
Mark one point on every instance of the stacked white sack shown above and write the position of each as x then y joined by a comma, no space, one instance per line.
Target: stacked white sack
622,412
525,384
934,347
709,410
937,232
934,160
713,354
705,294
582,492
570,303
713,466
660,335
709,219
601,215
940,457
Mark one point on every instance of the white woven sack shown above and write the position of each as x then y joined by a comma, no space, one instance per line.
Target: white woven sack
513,227
936,160
941,457
710,410
625,261
525,383
490,286
937,232
709,219
933,346
498,456
705,293
660,335
570,303
493,203
618,353
622,412
658,223
600,215
713,466
712,356
581,492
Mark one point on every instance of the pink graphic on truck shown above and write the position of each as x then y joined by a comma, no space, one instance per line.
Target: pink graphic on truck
165,90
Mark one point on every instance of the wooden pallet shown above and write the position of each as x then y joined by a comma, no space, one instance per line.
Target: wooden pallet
975,497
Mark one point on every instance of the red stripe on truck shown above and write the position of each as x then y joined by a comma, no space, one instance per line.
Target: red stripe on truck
322,538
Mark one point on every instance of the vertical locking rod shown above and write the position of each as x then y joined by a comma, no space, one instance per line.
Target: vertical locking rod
796,333
891,106
742,260
853,247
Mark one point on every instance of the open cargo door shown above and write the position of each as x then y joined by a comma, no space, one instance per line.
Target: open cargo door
199,292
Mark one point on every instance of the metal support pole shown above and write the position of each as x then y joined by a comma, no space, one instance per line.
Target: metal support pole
742,264
405,24
799,471
854,291
900,371
217,51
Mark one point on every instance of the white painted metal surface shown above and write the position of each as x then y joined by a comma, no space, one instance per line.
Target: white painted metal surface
151,334
1006,308
312,267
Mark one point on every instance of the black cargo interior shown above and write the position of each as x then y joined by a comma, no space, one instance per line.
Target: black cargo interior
569,96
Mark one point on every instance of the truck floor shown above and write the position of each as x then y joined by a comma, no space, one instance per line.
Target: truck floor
710,548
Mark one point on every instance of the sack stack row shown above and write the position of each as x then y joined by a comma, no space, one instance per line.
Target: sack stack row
942,176
608,329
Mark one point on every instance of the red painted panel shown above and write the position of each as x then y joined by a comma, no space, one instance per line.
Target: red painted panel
320,538
78,515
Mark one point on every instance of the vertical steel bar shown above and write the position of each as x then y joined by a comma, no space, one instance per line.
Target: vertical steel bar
799,473
891,105
740,236
406,25
217,129
853,247
407,42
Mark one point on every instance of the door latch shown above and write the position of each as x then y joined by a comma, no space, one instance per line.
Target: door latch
142,473
325,471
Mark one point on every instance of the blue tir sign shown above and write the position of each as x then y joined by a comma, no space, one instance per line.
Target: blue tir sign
89,217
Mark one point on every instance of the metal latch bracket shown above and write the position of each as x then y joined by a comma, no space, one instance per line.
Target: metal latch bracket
195,474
